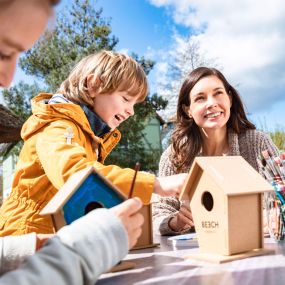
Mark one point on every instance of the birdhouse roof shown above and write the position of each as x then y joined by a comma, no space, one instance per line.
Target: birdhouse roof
233,174
70,187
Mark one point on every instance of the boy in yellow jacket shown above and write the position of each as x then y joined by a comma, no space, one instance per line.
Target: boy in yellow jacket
73,129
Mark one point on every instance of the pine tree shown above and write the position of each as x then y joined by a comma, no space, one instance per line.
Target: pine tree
80,31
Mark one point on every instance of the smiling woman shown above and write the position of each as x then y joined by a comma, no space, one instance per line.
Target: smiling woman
210,104
211,121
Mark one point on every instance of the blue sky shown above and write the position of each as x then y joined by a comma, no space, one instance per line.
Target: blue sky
247,37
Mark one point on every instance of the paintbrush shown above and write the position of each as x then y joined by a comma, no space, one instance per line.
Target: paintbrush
137,168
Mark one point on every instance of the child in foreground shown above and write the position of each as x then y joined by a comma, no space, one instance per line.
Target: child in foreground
73,129
82,245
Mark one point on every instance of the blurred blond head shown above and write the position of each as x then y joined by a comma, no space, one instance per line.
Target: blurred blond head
22,22
111,72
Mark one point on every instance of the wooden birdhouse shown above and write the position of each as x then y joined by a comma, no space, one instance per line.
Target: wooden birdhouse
225,195
87,190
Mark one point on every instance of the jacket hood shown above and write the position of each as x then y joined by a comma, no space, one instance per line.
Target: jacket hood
44,114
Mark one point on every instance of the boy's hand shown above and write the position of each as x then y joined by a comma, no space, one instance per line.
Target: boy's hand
169,185
127,212
41,239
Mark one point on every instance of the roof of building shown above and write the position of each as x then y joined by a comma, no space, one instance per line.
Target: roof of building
10,125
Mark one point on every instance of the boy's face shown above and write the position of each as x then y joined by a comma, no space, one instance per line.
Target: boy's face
21,24
114,108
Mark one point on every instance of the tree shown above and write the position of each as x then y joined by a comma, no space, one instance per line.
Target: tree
18,98
185,56
278,137
129,152
81,30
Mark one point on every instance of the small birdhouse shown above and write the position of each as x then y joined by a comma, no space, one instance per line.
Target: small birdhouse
225,195
85,191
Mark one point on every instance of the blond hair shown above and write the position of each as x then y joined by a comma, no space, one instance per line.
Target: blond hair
112,72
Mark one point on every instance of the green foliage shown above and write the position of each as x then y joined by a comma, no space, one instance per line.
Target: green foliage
12,148
131,148
146,64
278,137
18,98
81,30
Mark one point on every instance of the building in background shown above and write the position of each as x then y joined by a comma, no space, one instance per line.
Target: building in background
10,126
152,134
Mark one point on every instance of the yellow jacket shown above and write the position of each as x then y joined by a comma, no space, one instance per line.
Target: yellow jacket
59,142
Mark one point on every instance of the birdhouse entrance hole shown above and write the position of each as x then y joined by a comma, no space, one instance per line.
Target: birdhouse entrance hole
91,206
207,200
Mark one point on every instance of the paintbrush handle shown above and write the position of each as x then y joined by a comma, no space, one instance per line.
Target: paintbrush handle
137,168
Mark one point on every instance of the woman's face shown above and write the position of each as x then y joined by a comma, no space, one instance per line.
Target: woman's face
209,104
21,24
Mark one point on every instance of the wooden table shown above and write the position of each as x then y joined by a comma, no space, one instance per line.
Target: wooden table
166,265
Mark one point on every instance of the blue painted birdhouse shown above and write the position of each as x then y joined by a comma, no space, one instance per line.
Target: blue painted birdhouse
84,191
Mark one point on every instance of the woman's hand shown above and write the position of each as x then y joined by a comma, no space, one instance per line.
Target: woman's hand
183,220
